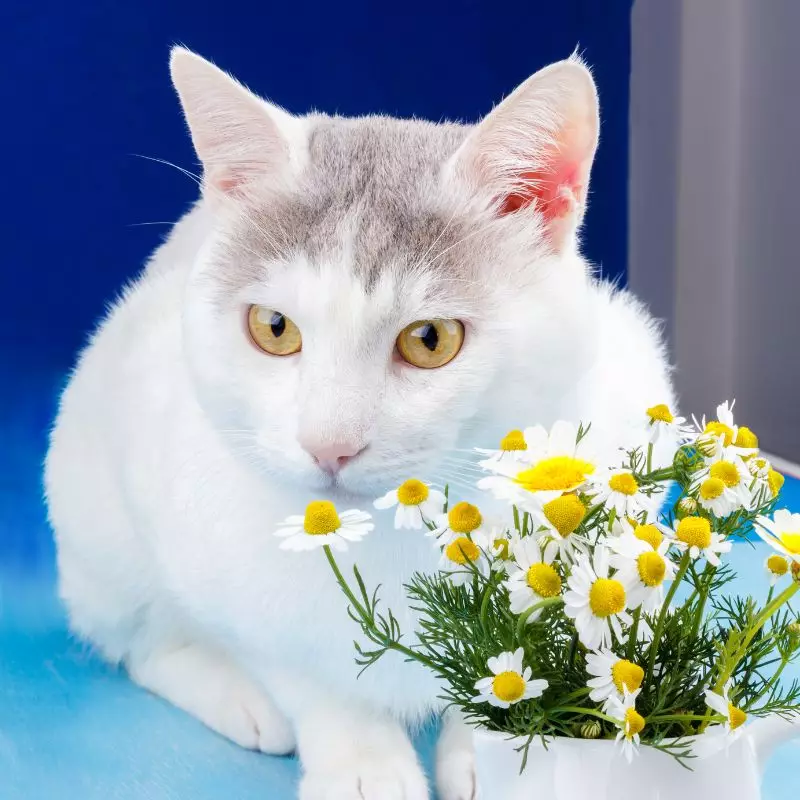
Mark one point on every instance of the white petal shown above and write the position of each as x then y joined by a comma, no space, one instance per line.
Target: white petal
387,501
289,530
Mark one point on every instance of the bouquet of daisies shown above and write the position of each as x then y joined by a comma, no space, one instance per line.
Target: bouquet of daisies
598,607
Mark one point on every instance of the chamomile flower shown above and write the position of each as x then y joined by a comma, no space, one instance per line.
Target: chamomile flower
463,519
776,567
694,535
643,569
322,525
502,543
781,533
720,438
734,476
416,503
513,448
595,601
722,735
661,421
510,682
618,489
556,523
533,578
464,554
611,676
768,481
629,721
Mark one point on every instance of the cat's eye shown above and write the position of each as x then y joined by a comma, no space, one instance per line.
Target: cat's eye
431,343
273,332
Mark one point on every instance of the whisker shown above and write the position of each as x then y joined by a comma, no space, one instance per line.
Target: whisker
191,175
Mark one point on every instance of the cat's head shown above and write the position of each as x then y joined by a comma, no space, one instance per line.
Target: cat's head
374,293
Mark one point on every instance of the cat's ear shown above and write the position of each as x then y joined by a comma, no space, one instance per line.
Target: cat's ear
535,149
241,139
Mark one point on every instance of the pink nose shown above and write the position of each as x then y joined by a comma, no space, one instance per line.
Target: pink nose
331,457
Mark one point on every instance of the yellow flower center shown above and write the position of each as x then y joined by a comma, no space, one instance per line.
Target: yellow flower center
736,716
565,513
725,472
464,518
544,580
634,723
501,548
508,687
461,550
652,568
746,438
775,481
694,531
412,492
649,534
606,597
791,541
660,413
627,675
712,488
513,440
716,428
777,565
562,473
624,483
321,518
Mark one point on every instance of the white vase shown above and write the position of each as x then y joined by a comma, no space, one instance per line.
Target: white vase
583,769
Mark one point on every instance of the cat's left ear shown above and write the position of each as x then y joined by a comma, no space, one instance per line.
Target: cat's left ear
242,141
535,150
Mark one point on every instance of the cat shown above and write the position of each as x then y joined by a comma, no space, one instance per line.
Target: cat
183,439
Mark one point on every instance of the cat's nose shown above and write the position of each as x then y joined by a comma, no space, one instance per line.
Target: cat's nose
331,457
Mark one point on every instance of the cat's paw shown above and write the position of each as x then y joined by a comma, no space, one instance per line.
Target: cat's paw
211,687
367,778
455,776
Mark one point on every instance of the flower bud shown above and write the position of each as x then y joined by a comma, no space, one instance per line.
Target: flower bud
590,730
793,630
686,507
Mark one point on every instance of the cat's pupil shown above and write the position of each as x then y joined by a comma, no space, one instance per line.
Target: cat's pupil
277,324
429,337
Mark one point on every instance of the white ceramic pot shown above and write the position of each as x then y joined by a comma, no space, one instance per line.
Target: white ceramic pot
582,769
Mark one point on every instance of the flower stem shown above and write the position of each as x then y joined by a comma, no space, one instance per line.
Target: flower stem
662,617
588,711
633,632
525,615
367,620
650,457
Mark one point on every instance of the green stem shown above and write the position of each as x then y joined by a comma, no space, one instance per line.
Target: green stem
772,681
525,615
702,597
487,596
685,561
665,474
516,520
650,457
588,711
367,622
633,632
681,718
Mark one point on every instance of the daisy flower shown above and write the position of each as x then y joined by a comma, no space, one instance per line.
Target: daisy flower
611,676
719,438
781,533
733,474
643,569
714,495
556,523
768,482
322,525
776,567
532,578
463,519
462,556
513,448
629,721
595,601
717,737
694,535
618,489
502,543
510,682
662,421
416,502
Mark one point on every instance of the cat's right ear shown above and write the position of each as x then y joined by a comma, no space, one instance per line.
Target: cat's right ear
242,141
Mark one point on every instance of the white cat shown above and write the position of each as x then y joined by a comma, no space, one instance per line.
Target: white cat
181,444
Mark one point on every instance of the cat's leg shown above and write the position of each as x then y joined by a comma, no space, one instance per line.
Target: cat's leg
349,752
455,760
210,686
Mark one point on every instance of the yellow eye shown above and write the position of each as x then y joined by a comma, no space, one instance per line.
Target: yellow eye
273,332
431,343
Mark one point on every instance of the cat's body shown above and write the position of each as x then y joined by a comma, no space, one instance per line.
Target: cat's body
179,447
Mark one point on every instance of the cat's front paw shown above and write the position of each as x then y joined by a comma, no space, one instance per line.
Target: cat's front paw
370,777
455,776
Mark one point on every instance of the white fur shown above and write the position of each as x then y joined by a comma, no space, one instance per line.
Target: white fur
176,453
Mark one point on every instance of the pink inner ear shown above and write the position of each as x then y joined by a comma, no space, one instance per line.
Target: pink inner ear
554,189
